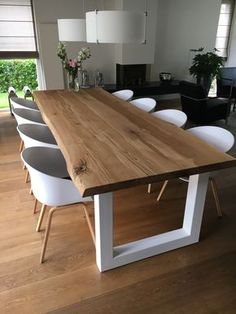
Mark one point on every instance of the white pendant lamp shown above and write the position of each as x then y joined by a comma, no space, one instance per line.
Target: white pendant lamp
71,29
115,27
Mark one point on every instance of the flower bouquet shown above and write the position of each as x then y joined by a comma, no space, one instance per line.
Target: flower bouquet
72,66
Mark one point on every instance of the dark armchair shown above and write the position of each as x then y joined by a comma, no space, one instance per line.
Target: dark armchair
226,84
198,107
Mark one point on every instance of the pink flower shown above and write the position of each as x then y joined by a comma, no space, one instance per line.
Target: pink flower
73,63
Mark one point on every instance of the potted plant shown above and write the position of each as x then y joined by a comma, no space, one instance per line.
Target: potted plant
205,67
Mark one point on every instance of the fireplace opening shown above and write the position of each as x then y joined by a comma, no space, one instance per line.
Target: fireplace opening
130,74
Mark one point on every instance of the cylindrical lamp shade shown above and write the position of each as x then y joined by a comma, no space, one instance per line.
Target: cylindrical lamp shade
71,29
115,27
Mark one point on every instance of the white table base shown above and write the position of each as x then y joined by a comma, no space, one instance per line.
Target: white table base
109,257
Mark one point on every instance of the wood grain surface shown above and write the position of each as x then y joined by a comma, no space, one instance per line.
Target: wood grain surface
109,144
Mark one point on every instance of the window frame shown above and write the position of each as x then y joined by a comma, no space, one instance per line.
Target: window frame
228,37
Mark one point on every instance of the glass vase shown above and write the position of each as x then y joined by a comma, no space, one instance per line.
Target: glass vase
71,81
80,76
85,79
98,81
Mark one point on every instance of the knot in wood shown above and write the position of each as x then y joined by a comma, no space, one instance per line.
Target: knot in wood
134,133
82,167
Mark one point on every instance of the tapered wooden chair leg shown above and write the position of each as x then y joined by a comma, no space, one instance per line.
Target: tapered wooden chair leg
89,224
27,176
35,205
216,197
21,146
149,188
40,220
162,190
45,240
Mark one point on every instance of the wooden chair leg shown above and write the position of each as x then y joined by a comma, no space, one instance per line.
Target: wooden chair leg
234,105
162,190
21,146
45,240
35,205
216,197
48,227
89,224
40,220
149,188
27,176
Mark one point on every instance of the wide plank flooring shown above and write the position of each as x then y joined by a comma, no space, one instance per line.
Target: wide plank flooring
200,278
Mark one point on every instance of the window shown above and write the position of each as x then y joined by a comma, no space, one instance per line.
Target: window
224,25
17,32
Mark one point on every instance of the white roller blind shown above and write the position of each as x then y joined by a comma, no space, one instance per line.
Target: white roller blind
17,33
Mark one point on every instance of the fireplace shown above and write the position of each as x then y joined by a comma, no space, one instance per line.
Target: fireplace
128,75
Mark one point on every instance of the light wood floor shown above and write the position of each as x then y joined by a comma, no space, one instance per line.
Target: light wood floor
199,278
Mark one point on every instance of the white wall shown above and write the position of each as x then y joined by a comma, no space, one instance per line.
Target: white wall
183,25
175,27
50,69
136,53
46,13
104,56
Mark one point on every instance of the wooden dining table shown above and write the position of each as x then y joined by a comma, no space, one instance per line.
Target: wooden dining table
109,145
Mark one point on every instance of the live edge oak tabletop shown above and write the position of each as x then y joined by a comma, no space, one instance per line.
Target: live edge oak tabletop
110,144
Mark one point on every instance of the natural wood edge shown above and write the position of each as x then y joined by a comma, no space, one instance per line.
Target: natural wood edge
156,178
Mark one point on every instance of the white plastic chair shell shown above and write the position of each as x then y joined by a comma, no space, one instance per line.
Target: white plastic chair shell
24,116
215,136
50,180
22,103
124,94
218,138
146,104
36,135
177,117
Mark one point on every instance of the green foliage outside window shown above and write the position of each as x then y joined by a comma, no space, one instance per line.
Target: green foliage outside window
17,73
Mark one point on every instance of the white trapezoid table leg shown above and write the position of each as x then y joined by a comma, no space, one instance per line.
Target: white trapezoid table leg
109,257
103,210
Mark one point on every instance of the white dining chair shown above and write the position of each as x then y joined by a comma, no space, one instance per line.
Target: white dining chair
23,103
146,104
124,94
27,92
27,116
174,116
11,93
35,135
219,138
24,116
51,184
